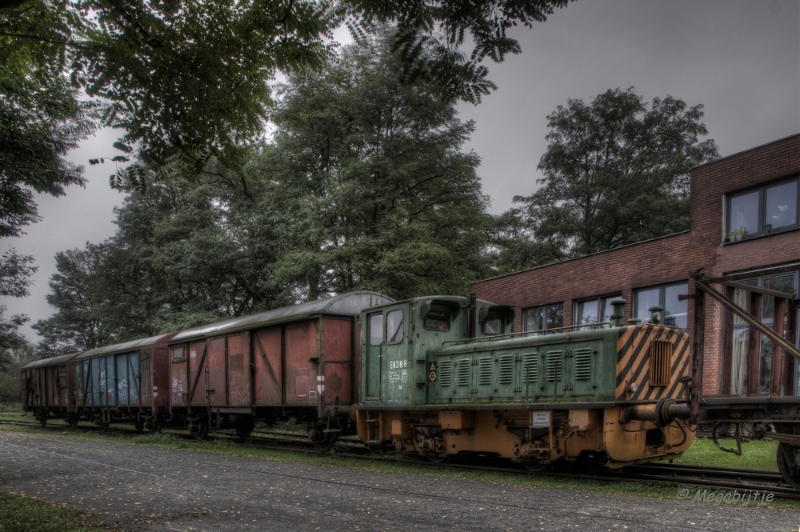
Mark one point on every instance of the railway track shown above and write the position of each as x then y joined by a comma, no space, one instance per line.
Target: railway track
745,480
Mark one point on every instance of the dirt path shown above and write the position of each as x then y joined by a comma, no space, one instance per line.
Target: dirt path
138,487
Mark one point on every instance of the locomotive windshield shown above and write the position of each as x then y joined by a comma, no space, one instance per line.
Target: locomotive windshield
394,326
376,329
437,318
492,324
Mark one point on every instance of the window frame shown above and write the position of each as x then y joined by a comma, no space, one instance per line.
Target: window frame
662,290
175,359
761,190
402,328
577,314
544,317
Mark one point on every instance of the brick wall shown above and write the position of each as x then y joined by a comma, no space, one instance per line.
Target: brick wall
671,258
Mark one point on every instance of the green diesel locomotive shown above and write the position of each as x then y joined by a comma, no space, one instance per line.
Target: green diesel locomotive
446,375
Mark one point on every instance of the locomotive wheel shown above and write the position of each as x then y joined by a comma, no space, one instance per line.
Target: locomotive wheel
436,459
788,456
325,443
138,425
199,430
244,426
536,467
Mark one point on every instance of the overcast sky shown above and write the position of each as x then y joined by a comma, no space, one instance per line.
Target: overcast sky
739,58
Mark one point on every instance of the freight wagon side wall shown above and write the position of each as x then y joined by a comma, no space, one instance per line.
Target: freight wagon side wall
338,358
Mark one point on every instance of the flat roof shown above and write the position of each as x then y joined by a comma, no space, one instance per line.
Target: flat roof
349,304
745,151
550,264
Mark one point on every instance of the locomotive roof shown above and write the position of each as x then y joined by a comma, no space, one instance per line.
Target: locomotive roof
349,304
54,361
123,347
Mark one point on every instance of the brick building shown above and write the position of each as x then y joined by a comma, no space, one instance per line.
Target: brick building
745,218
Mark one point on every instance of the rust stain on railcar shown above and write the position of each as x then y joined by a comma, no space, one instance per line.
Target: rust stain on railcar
239,391
338,359
301,373
268,366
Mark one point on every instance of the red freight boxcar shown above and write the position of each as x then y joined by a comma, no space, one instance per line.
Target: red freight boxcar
45,388
297,361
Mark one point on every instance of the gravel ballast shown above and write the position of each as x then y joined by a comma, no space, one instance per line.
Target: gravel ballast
143,487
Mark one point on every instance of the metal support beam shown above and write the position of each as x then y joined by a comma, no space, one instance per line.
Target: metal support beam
705,286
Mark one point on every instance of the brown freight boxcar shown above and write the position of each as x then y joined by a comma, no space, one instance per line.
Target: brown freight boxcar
45,388
298,361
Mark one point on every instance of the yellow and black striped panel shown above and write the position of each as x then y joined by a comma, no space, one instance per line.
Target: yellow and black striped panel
633,361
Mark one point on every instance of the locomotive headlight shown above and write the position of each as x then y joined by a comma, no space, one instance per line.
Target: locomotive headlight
633,387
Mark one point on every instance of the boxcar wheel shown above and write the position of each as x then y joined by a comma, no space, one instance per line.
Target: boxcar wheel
325,443
72,422
104,426
42,419
138,425
789,464
244,426
199,430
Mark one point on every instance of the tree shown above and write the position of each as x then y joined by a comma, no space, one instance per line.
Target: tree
15,272
372,183
615,172
11,361
194,76
41,117
79,323
184,253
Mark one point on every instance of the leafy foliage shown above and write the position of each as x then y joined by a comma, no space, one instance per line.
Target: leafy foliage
15,273
371,181
40,115
365,187
615,172
11,361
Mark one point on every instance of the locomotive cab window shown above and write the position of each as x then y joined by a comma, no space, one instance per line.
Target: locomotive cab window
492,324
375,329
394,327
177,354
437,318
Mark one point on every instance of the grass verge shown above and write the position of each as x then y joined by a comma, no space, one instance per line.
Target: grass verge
759,454
19,513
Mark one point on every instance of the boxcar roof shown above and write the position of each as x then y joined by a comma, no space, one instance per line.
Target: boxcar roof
54,361
349,304
125,347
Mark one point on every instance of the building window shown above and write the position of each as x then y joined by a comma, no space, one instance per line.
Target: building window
593,311
740,339
675,311
765,210
543,318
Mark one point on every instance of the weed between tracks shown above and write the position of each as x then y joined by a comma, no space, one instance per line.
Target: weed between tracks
19,513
